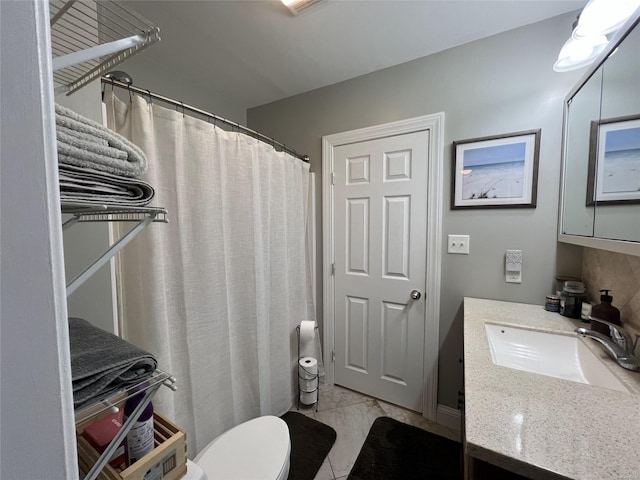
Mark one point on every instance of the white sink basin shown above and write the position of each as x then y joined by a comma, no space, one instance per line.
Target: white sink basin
554,355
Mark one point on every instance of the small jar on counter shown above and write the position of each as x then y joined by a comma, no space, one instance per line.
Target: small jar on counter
571,299
552,303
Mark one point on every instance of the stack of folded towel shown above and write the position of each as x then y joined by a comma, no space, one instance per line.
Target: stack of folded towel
96,165
102,363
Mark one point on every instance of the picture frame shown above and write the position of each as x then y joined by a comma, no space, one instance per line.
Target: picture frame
614,161
499,171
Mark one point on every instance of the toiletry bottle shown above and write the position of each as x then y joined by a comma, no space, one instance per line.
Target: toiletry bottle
139,441
605,311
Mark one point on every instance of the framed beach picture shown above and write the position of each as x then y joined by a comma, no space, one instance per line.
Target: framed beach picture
500,171
614,161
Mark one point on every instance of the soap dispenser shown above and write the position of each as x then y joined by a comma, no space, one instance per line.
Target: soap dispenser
605,311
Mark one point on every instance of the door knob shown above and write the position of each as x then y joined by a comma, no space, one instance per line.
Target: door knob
415,294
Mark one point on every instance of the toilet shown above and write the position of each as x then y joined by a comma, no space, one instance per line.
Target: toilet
258,449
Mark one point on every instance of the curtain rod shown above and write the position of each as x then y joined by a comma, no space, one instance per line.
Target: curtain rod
215,118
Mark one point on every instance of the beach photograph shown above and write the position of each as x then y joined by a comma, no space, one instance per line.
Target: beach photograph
494,172
619,174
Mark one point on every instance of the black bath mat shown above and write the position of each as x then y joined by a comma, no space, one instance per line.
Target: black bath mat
394,450
310,444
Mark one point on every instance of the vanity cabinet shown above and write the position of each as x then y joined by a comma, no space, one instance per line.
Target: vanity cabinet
542,426
478,470
601,150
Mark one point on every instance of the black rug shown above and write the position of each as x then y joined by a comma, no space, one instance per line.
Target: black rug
310,444
395,450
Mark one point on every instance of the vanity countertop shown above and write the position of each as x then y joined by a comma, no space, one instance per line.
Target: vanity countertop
540,426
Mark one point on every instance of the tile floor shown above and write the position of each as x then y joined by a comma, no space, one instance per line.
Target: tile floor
351,415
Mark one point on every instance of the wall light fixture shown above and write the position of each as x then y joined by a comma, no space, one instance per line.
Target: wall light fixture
598,19
601,17
578,53
297,7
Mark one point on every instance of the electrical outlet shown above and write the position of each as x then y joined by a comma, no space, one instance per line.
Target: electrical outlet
513,266
513,277
458,244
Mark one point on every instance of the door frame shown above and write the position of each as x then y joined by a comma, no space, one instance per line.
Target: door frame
433,126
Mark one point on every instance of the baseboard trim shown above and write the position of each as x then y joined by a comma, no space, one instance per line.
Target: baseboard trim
449,417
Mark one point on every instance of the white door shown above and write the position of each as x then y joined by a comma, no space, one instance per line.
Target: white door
380,201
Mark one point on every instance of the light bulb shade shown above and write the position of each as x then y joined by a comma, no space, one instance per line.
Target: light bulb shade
601,17
579,53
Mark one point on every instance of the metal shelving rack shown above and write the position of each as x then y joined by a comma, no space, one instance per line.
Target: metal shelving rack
90,37
143,216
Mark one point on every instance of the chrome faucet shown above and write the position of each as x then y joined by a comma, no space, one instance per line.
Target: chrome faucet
619,346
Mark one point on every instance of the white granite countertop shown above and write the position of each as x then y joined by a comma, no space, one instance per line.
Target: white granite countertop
540,426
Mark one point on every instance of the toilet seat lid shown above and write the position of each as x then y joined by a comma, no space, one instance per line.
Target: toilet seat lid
257,449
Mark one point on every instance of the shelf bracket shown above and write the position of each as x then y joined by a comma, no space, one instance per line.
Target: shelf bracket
69,223
88,54
113,250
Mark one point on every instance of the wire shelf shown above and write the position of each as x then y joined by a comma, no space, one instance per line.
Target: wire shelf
144,216
112,402
90,37
106,213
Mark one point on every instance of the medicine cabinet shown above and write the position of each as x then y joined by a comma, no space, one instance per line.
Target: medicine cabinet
600,205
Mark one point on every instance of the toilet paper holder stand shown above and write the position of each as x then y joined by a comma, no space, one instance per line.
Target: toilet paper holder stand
316,377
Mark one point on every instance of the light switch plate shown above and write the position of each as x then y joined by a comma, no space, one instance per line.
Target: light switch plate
458,244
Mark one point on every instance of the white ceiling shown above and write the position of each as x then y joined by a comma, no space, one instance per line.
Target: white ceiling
256,52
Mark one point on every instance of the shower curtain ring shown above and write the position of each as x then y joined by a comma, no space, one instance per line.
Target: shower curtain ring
150,97
129,89
182,104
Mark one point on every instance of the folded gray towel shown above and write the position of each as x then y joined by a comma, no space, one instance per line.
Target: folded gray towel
87,147
85,186
102,363
86,137
70,143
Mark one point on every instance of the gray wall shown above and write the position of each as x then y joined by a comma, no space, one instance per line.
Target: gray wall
180,85
501,84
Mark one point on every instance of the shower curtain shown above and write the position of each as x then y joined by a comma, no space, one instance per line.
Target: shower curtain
217,292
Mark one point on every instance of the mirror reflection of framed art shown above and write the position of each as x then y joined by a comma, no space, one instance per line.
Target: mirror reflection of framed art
614,161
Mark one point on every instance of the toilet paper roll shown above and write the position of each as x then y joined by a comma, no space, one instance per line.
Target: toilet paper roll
308,368
309,343
307,338
308,398
308,380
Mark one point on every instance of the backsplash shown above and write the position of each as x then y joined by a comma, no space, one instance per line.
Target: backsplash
619,273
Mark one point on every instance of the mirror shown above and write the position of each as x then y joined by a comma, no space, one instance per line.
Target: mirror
601,161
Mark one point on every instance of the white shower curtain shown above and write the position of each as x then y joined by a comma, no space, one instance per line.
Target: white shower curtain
217,292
